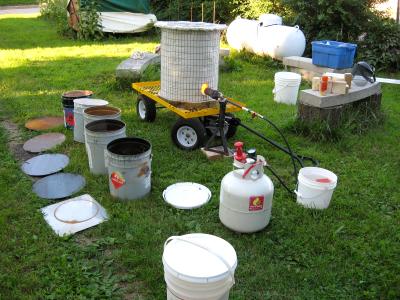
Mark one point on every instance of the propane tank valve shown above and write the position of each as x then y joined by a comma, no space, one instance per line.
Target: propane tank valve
240,156
252,153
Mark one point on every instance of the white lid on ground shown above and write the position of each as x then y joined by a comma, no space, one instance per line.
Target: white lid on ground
186,195
199,258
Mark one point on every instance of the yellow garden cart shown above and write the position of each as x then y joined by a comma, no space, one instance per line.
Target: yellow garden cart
197,122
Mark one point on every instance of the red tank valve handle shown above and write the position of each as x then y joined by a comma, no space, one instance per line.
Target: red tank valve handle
239,154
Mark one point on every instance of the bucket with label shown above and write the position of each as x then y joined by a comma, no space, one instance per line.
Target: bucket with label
198,266
67,100
315,187
95,113
128,161
79,106
98,134
286,88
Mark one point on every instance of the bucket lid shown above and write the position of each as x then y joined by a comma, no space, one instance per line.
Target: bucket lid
45,164
44,142
199,258
90,102
44,123
186,195
287,76
60,185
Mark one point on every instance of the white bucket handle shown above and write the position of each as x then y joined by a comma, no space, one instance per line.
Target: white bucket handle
179,238
275,90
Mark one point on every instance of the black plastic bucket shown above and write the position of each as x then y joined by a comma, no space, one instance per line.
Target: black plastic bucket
67,100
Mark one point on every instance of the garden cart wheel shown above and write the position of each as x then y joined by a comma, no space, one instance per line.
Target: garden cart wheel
188,134
145,109
211,124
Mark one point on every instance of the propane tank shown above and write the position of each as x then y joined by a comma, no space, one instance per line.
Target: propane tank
245,200
266,37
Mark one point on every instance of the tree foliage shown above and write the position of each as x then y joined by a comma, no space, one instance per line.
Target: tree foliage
355,21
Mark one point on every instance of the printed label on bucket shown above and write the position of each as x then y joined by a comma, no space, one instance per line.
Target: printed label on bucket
256,203
117,180
69,118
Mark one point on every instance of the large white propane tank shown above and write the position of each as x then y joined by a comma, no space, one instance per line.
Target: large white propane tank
266,37
246,194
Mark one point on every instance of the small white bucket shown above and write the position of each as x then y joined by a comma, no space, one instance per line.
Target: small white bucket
315,187
198,267
79,106
286,87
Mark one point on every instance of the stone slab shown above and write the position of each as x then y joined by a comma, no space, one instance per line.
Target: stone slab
305,67
313,98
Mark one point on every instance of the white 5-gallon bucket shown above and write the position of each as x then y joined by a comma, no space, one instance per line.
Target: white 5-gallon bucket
286,87
79,106
128,161
198,267
98,134
315,187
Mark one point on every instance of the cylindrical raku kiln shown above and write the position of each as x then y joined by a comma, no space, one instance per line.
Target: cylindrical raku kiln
189,58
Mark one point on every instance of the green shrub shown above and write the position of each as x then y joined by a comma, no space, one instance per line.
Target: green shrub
225,10
55,11
378,39
380,44
88,26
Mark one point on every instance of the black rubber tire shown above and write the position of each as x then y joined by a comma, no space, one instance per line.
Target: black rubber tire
150,109
197,127
230,132
232,128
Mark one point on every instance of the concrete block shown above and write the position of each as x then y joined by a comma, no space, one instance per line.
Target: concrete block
305,67
313,98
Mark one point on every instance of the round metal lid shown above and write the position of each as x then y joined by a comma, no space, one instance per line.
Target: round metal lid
44,123
59,185
45,164
76,211
187,195
43,142
186,25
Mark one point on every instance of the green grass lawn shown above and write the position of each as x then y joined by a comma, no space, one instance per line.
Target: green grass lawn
18,2
349,251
